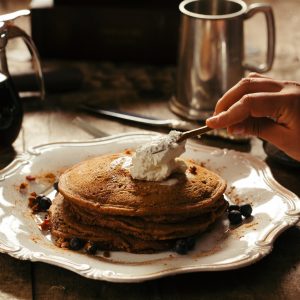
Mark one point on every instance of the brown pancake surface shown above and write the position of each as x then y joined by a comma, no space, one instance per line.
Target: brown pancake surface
102,184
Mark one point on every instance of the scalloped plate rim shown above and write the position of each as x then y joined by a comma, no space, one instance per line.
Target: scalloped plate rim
93,273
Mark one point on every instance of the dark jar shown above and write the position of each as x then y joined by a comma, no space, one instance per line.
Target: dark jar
11,112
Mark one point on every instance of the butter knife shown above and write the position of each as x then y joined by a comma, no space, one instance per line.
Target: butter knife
161,123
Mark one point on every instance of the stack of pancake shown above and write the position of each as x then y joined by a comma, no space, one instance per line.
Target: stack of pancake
98,201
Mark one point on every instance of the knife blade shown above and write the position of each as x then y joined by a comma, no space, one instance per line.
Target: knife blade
140,119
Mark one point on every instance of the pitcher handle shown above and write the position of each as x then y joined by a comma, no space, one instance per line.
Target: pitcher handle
13,32
268,12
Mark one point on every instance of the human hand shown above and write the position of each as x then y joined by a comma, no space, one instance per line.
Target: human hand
264,107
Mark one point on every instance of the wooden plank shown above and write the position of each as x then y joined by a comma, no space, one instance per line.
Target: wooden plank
55,283
15,278
276,276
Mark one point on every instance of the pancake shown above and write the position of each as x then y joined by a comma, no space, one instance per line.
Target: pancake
148,229
99,202
104,185
105,239
65,226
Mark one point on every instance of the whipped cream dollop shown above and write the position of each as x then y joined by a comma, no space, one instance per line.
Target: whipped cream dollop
156,160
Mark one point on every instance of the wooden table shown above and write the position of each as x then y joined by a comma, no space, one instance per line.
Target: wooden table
146,89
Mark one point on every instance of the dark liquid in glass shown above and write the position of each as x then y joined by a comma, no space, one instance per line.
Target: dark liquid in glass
11,112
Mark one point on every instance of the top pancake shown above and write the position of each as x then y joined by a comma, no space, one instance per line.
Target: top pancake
104,184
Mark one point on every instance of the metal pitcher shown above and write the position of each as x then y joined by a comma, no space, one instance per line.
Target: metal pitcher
211,52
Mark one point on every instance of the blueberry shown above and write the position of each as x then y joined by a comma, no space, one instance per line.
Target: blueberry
246,210
43,202
191,241
233,207
75,243
90,247
181,247
235,217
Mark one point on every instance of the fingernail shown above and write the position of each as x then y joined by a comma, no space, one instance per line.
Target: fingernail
212,117
212,120
215,118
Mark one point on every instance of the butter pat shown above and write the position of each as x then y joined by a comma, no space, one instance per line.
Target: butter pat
158,159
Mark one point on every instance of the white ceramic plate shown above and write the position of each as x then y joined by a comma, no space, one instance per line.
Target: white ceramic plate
222,248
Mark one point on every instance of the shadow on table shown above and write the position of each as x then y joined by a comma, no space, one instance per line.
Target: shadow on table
287,176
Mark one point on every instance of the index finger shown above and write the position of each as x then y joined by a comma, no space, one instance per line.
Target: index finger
246,86
255,105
